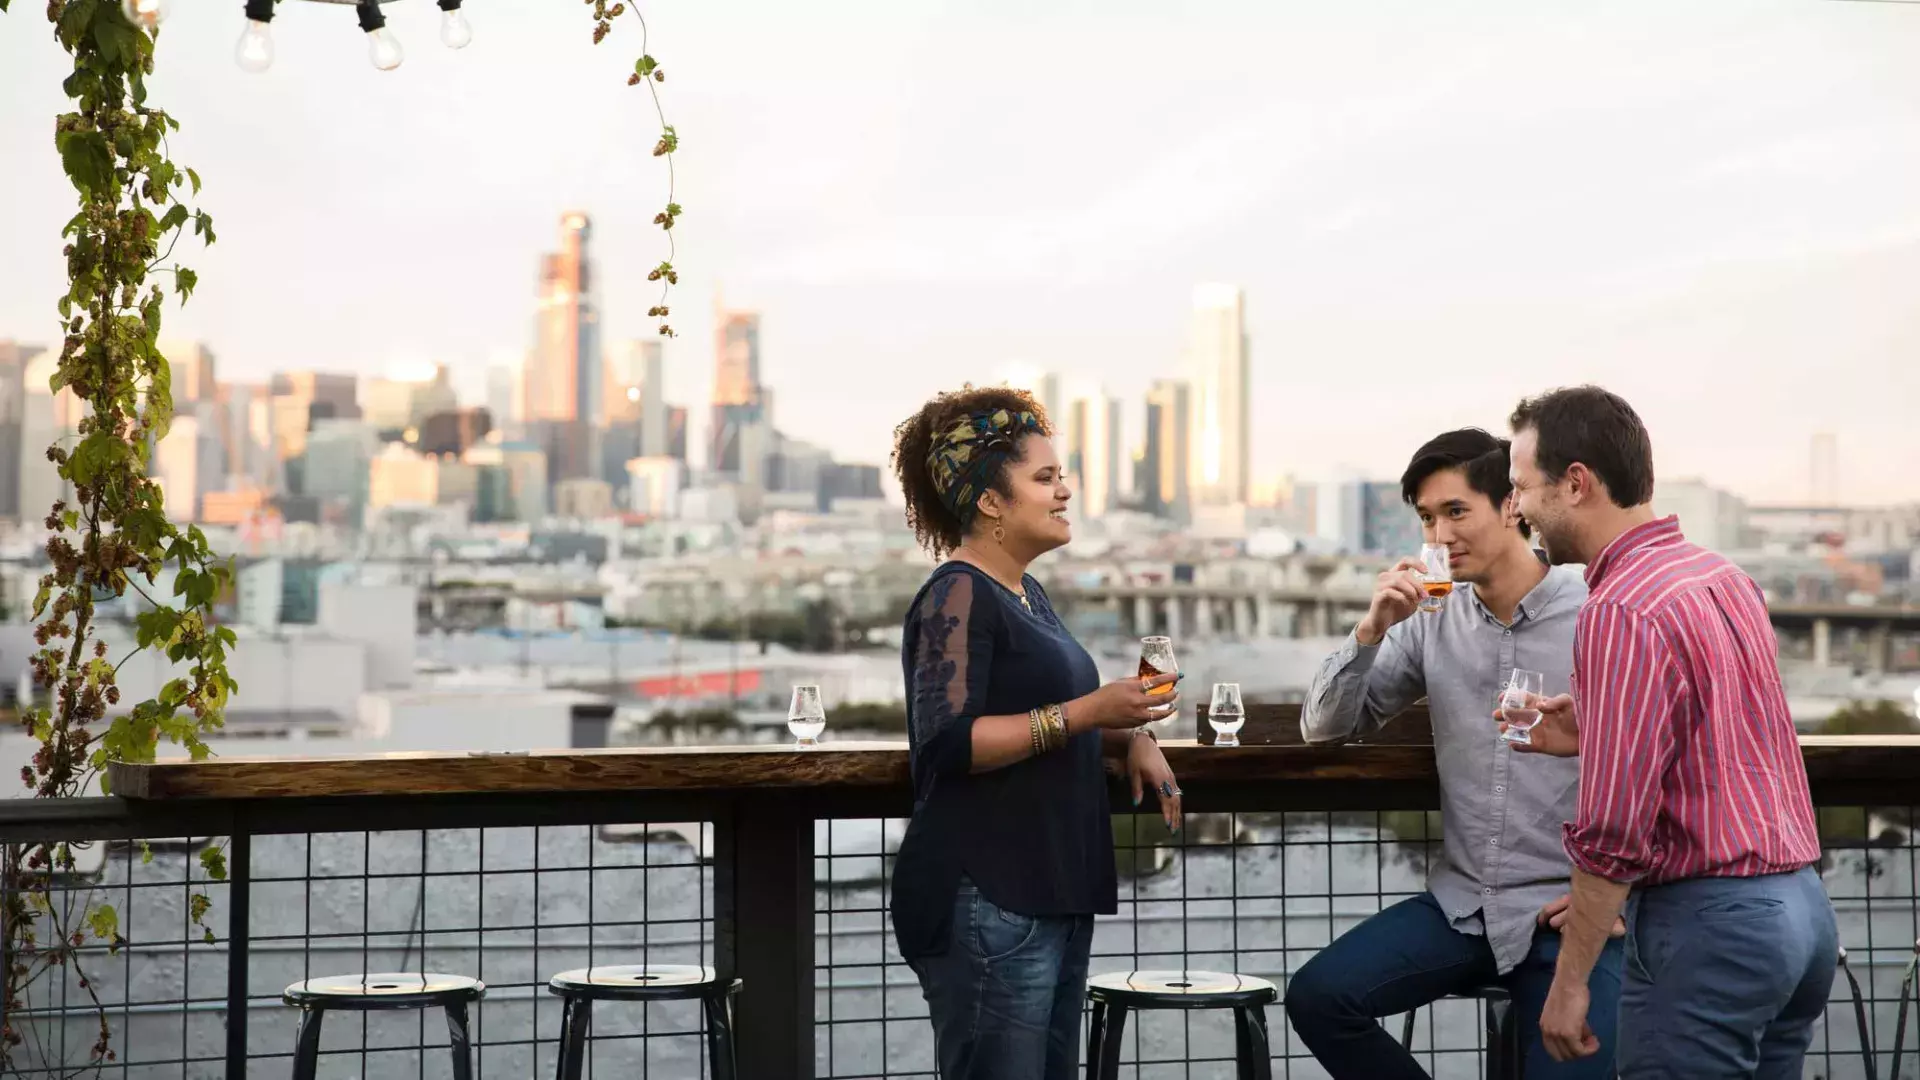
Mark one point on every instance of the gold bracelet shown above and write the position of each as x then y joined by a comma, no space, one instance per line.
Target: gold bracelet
1056,721
1036,731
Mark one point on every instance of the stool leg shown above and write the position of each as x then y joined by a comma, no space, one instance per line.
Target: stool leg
1406,1029
1503,1042
306,1047
1252,1052
462,1045
1113,1033
576,1019
1096,1037
720,1033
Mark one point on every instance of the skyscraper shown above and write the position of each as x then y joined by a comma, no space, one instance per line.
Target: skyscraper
1168,443
302,397
1217,363
46,418
13,403
739,401
504,390
191,369
1088,434
563,400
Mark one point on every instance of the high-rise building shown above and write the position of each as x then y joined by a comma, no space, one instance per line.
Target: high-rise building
677,433
636,407
453,431
512,485
844,481
1219,373
1043,385
504,392
336,467
740,403
190,461
13,403
246,435
1823,472
654,485
563,377
1166,467
300,398
1089,436
45,418
1366,517
191,368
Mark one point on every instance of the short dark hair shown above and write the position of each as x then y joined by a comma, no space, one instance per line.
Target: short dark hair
1479,455
1596,428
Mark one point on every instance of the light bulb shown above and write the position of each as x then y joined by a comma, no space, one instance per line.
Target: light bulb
455,31
384,49
255,51
145,14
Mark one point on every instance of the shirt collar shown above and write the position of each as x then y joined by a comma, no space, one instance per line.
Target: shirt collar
1538,599
1658,531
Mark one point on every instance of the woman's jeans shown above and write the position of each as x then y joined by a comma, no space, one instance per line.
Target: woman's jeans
1006,996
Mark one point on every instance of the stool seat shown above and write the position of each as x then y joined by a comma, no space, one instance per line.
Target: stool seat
1181,989
364,992
387,990
581,987
657,982
1118,993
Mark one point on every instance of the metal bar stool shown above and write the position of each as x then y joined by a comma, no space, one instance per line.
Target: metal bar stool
1504,1052
660,982
369,993
1118,993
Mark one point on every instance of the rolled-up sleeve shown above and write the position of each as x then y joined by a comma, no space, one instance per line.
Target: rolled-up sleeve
952,657
1627,694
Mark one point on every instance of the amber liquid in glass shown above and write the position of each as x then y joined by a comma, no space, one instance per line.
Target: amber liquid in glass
1148,671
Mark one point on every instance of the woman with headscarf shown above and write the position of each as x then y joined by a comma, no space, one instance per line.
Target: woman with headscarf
1009,854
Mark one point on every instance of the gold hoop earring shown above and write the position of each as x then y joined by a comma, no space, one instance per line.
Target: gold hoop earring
999,534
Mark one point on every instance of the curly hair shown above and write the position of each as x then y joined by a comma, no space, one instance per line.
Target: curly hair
934,524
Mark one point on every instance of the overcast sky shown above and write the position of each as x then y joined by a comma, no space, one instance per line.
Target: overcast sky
1434,206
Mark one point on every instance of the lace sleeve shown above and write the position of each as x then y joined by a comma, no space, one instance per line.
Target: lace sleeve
953,652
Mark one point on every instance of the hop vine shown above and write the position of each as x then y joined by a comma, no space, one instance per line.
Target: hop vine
648,72
113,535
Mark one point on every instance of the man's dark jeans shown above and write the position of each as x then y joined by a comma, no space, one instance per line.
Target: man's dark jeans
1410,955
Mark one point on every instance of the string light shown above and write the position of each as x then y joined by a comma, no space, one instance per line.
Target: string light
254,51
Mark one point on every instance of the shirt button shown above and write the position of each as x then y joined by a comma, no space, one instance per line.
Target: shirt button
1488,892
1494,842
1499,790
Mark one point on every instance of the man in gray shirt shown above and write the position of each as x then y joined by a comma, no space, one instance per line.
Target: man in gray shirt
1492,906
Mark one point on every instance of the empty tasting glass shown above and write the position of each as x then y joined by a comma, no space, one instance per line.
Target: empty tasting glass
1437,579
806,717
1226,714
1520,704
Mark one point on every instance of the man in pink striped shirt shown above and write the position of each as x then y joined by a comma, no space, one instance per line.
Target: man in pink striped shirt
1693,810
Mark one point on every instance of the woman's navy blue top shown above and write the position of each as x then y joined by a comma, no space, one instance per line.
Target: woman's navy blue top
1033,836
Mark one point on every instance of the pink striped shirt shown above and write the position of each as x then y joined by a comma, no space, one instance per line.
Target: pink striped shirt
1689,765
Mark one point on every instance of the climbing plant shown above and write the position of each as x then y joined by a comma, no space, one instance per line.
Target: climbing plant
110,535
648,72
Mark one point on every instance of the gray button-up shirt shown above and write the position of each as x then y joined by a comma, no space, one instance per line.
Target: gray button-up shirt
1502,810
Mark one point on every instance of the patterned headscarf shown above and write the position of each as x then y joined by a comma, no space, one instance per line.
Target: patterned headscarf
965,459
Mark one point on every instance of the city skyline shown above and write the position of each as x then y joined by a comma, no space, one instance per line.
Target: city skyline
1418,245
